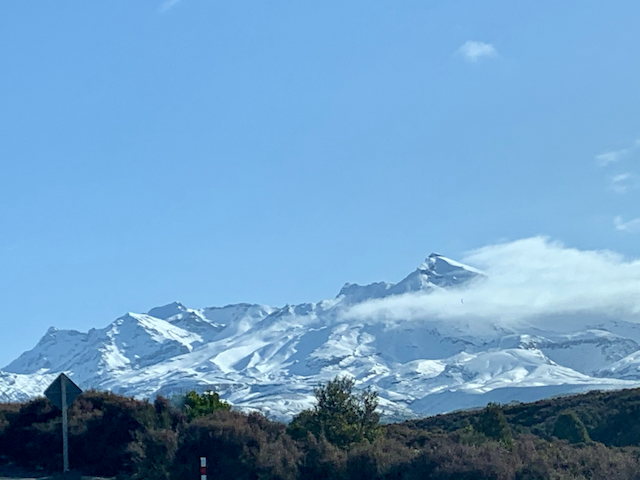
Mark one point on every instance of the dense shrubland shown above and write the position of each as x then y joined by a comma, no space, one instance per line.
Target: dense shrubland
591,436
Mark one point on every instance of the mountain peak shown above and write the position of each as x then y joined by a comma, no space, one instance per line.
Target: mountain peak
441,265
167,311
436,271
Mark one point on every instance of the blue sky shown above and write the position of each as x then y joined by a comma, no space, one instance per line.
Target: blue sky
217,152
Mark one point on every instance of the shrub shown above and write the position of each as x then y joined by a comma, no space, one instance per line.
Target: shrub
569,427
101,427
8,412
199,405
343,417
237,447
322,460
152,454
493,423
33,439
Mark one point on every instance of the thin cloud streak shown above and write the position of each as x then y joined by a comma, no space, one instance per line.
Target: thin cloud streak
534,280
624,183
474,51
613,156
630,226
168,4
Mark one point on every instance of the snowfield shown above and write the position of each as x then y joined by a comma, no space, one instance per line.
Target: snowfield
270,359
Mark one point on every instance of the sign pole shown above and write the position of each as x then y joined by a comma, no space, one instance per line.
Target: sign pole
62,392
203,468
65,428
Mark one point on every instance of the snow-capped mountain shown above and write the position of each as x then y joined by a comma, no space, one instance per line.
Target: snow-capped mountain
265,358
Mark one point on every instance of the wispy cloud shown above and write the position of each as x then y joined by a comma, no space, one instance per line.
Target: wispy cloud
474,51
168,4
607,158
613,156
533,280
630,226
624,182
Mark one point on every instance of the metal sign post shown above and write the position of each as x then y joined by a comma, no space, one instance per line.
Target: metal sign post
65,429
62,392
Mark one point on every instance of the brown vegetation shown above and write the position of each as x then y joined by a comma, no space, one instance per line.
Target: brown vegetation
113,435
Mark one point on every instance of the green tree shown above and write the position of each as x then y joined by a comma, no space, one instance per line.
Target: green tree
340,415
492,423
198,405
569,427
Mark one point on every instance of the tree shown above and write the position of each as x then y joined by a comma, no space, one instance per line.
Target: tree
492,423
569,427
199,405
341,416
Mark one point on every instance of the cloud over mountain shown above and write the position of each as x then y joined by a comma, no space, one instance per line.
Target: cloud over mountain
535,318
526,280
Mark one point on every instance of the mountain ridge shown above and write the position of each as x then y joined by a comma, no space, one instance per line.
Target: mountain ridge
269,358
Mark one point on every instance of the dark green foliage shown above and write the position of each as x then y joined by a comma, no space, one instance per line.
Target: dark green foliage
569,427
612,417
199,405
341,416
492,423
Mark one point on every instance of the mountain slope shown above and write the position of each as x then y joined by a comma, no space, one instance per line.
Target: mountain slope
267,358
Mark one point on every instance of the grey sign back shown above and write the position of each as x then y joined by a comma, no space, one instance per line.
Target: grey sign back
54,392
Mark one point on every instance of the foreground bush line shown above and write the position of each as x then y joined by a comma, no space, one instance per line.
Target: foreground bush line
593,436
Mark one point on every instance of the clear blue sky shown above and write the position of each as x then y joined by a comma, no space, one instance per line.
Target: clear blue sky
223,151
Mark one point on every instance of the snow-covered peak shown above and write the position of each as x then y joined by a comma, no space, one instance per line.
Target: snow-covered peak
167,311
442,265
436,271
259,357
444,272
157,328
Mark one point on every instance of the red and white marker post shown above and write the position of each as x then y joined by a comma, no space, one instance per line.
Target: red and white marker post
203,468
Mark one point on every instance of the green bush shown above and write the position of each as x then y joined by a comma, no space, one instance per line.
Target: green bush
341,416
569,427
493,423
198,405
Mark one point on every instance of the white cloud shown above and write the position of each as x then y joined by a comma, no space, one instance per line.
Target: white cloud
474,51
530,280
168,4
613,156
624,182
630,226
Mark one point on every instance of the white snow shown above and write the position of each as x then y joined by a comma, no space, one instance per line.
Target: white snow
270,359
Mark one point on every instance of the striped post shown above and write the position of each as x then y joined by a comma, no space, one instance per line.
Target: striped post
203,468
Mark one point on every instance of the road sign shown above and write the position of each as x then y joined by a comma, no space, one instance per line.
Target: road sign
54,392
62,392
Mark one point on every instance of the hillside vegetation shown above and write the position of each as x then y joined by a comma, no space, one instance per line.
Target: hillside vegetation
590,436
